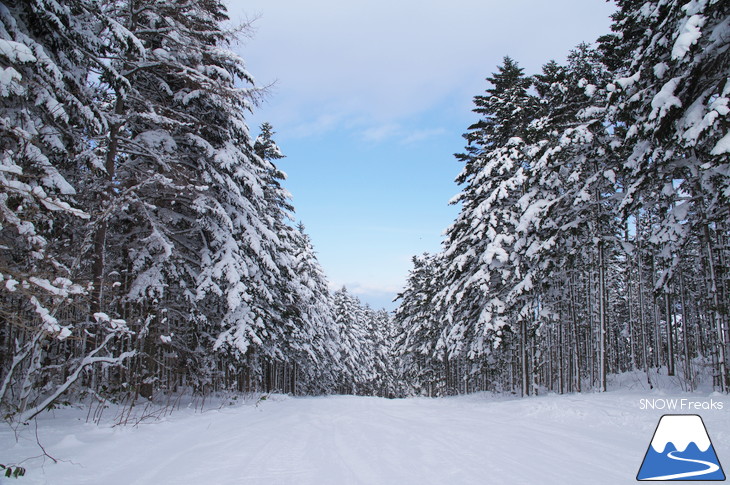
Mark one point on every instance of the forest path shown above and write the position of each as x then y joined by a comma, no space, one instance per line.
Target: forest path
572,439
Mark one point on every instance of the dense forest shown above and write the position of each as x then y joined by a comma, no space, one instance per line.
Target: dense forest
147,241
594,230
148,244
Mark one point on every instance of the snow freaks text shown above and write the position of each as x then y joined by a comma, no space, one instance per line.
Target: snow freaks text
677,404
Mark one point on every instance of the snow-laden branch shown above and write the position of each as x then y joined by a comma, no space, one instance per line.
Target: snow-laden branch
89,360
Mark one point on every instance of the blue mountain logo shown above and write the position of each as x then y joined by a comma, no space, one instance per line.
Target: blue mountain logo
681,450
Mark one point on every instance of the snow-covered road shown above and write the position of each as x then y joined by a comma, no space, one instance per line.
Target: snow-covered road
573,439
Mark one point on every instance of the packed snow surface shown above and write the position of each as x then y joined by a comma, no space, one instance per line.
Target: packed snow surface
478,439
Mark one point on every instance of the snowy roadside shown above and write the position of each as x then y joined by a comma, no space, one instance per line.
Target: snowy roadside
570,439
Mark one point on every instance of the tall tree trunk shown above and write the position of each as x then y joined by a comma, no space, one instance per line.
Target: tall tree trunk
630,307
670,333
592,341
642,321
561,363
601,318
685,332
523,358
716,314
97,265
576,333
658,341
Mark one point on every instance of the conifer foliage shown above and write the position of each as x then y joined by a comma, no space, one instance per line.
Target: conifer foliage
592,236
147,243
47,115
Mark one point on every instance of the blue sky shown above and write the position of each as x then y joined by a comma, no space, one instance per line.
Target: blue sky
369,100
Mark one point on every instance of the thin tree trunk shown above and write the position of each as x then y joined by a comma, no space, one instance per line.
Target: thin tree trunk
97,265
642,321
670,333
523,357
630,308
602,318
576,333
561,363
685,333
716,314
592,341
658,342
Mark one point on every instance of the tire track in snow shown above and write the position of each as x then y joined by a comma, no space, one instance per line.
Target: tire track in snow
597,439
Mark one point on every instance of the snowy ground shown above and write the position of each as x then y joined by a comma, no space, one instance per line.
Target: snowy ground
571,439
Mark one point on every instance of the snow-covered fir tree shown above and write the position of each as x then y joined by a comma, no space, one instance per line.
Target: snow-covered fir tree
478,256
417,329
365,353
567,222
356,366
593,232
316,344
379,327
134,194
671,94
47,114
183,230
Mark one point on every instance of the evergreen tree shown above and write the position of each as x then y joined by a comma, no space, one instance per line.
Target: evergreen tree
418,329
567,221
592,237
356,367
133,194
46,116
382,379
316,344
477,255
671,94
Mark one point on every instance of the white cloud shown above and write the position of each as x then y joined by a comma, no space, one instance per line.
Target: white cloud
317,126
382,132
395,131
382,61
420,135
